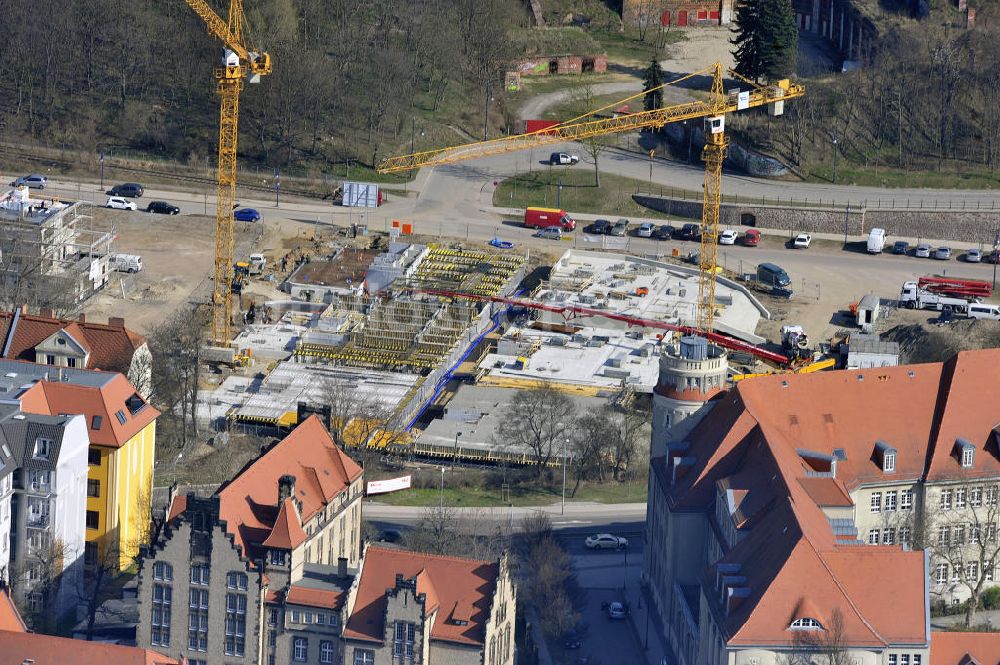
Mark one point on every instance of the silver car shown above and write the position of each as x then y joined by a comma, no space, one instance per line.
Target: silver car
942,253
34,181
923,251
973,256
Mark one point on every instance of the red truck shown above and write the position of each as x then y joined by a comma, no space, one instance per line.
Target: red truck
543,218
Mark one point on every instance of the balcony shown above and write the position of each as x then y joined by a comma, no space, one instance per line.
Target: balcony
38,521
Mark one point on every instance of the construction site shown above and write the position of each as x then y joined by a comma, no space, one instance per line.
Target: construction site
52,252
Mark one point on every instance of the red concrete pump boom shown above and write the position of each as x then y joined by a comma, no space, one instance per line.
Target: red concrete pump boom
572,311
959,288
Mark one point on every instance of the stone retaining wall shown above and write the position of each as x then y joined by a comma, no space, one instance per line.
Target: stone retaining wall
969,226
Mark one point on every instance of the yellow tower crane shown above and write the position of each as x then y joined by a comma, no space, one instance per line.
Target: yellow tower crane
713,110
241,63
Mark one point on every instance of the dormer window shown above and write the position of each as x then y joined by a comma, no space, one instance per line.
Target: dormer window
806,623
43,448
886,456
966,452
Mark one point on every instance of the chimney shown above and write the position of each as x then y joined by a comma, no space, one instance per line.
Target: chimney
342,566
83,317
46,312
286,488
116,322
24,310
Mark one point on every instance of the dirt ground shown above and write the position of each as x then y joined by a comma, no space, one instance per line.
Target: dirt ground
177,256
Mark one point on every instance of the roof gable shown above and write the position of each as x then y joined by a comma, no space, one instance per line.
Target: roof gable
287,533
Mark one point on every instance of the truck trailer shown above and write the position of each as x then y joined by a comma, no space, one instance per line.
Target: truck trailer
914,296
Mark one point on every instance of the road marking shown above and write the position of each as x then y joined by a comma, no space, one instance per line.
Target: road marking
571,522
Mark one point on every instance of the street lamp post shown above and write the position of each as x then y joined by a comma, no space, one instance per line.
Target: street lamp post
102,170
442,487
834,160
486,113
277,186
562,510
559,194
454,458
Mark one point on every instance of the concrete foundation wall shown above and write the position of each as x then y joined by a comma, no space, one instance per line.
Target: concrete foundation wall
971,226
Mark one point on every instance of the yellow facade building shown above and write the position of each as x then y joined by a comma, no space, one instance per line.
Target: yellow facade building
122,428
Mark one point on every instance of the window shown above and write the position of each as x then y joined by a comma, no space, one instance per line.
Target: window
307,617
198,619
904,535
295,617
39,480
326,651
991,496
941,573
991,533
162,597
904,659
944,536
975,534
272,617
876,502
236,623
199,575
890,501
93,519
972,571
402,646
893,660
968,455
958,534
278,557
320,618
945,500
364,657
272,638
988,573
806,623
975,497
71,362
889,536
50,359
42,448
236,581
120,415
163,572
873,537
94,456
90,554
916,659
93,488
960,498
300,650
889,462
906,500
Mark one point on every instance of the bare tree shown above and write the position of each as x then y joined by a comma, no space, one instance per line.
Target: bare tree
827,641
476,535
175,346
606,442
962,535
37,581
536,420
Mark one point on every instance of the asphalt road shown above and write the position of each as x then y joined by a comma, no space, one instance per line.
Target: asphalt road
579,517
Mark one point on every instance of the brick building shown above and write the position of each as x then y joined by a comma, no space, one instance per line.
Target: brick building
673,13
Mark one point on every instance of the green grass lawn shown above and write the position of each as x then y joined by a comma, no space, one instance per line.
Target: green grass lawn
541,188
477,497
854,174
580,105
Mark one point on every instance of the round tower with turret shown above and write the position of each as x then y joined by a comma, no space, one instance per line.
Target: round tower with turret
692,373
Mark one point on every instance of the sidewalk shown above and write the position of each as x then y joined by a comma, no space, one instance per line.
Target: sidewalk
647,625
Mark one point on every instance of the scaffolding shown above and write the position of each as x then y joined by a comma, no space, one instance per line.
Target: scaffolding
466,270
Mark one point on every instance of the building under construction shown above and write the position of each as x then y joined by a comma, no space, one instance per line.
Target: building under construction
51,252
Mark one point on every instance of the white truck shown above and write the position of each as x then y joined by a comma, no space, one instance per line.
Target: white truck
914,297
125,262
876,241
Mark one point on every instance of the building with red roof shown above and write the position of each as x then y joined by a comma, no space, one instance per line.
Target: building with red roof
961,648
45,339
789,513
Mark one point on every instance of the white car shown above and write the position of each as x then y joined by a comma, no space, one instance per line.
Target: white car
728,237
617,610
563,159
802,241
645,230
120,203
606,541
923,251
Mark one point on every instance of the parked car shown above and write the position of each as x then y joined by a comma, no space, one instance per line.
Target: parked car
120,203
389,536
728,237
163,208
246,215
664,232
751,238
549,233
802,241
616,610
645,230
900,247
992,257
923,251
689,232
620,228
973,256
599,227
606,541
133,190
563,159
942,253
34,181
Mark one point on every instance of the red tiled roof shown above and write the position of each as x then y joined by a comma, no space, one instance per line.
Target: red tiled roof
826,491
448,582
323,598
10,618
177,506
287,533
47,649
249,502
957,648
110,346
56,397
